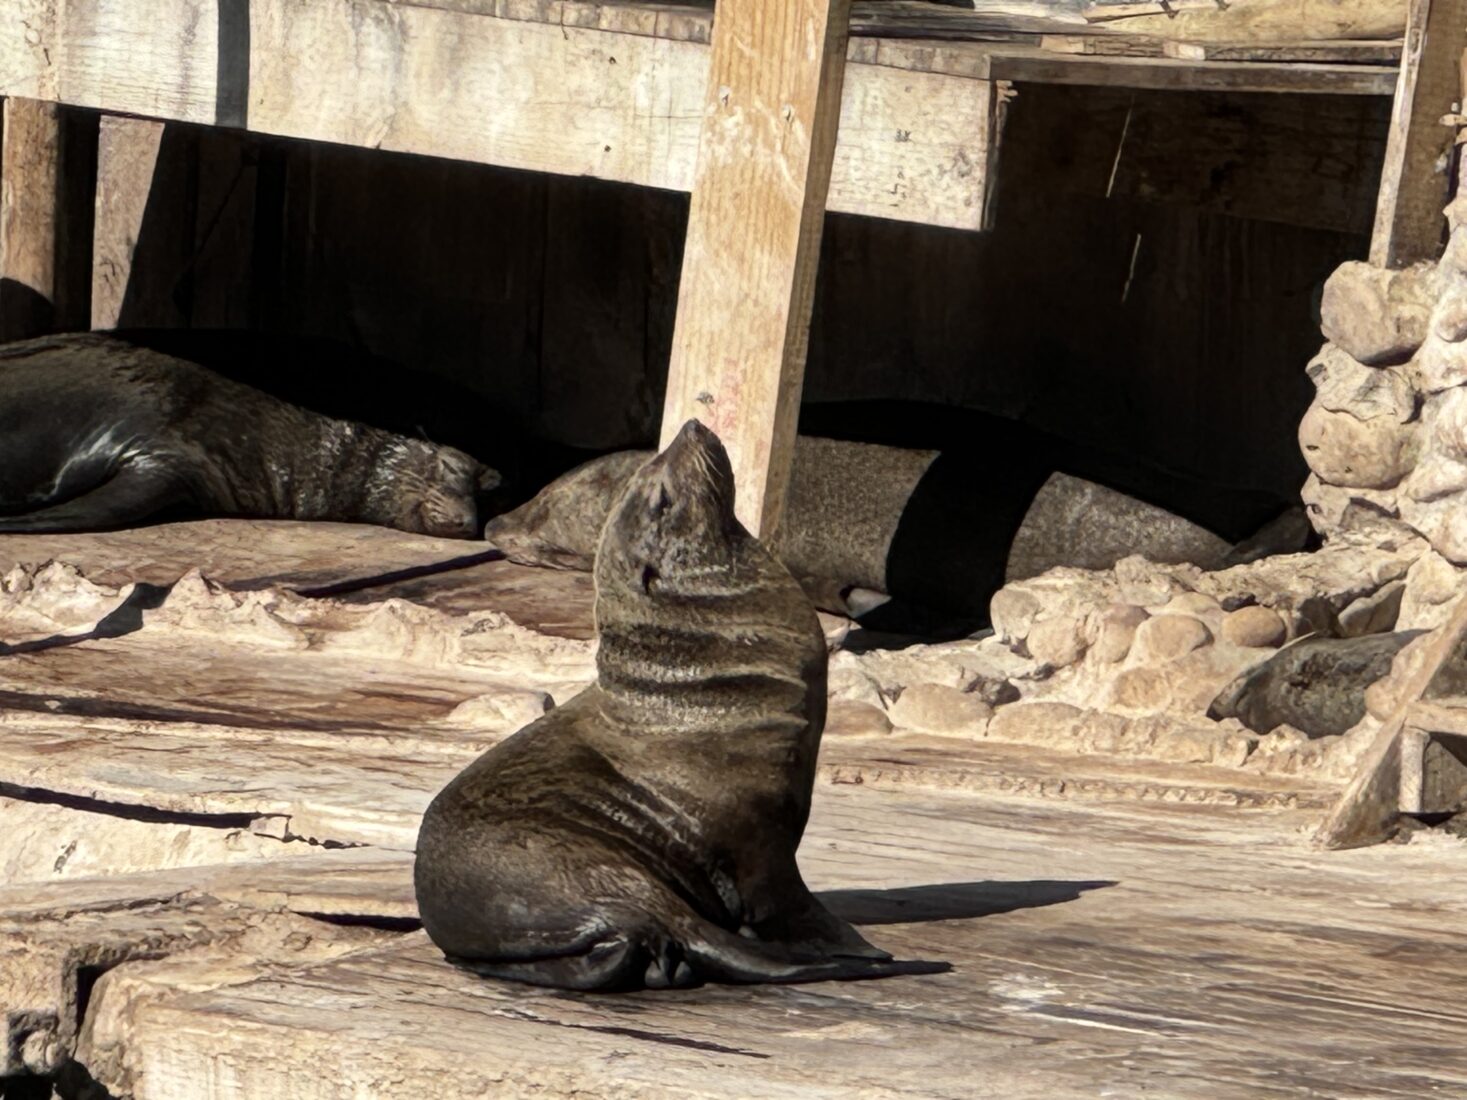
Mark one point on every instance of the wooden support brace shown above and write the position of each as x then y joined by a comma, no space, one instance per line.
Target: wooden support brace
127,159
753,243
1413,183
47,167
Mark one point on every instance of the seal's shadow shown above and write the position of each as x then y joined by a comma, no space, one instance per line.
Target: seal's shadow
951,900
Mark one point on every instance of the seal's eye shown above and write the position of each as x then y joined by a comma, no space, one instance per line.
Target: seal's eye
664,502
648,576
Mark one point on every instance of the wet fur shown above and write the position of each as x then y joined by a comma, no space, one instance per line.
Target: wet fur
99,433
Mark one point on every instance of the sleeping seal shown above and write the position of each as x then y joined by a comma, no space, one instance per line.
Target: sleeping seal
936,532
644,833
96,433
1316,685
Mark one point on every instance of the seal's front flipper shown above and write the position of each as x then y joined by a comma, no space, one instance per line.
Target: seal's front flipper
131,495
804,925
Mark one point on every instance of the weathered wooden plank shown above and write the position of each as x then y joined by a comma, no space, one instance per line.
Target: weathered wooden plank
127,159
1383,51
1251,20
753,242
1022,63
576,100
30,161
1409,225
1064,925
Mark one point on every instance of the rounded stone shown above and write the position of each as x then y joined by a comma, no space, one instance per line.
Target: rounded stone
1012,612
941,709
1254,627
1357,454
1118,625
849,718
1056,642
1167,637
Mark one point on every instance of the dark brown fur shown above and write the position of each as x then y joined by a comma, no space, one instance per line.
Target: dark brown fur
98,433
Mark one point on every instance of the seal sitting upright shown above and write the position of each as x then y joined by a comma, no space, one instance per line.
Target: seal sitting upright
96,433
644,833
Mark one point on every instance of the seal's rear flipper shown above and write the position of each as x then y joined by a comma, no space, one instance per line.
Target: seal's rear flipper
133,494
721,956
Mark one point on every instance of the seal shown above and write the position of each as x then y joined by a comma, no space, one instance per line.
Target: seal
644,833
1316,685
909,541
97,433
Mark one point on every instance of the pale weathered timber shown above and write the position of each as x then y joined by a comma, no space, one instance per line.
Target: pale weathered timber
359,562
30,192
753,243
127,154
577,100
1409,226
1367,811
1368,51
1097,950
50,957
1252,20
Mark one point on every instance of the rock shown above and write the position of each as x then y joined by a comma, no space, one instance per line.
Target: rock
1333,510
1037,724
1431,585
1374,614
1449,320
1117,629
1057,642
1146,688
847,718
500,711
1167,637
993,690
1253,627
1012,612
940,709
1376,315
851,683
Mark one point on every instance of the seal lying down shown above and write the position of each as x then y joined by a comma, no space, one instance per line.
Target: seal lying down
644,833
908,540
97,433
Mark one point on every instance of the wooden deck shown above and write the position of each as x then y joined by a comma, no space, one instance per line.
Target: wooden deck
211,816
1097,950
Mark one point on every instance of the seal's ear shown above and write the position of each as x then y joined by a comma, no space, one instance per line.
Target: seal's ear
487,479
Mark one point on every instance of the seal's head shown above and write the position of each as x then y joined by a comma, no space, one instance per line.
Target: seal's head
561,526
673,531
429,490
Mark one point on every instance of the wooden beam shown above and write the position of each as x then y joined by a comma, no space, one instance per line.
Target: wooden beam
1413,184
611,91
30,176
127,159
753,240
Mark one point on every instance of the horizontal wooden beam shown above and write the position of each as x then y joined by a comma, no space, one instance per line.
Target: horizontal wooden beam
499,88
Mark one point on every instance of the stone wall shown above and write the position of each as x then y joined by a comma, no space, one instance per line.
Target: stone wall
1386,435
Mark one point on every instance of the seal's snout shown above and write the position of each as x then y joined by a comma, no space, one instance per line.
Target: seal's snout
697,455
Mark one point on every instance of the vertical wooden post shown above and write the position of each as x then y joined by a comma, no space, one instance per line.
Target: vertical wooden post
127,158
30,176
1413,182
753,243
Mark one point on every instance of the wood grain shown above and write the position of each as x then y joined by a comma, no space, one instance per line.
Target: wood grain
1409,225
577,100
127,158
753,241
1096,950
30,176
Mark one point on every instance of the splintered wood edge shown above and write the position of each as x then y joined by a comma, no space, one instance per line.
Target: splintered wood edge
1367,810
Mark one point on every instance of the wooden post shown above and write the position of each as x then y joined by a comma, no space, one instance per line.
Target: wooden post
127,159
753,241
1413,182
30,175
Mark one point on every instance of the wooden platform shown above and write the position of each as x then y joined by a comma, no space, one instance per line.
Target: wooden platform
210,816
1096,950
